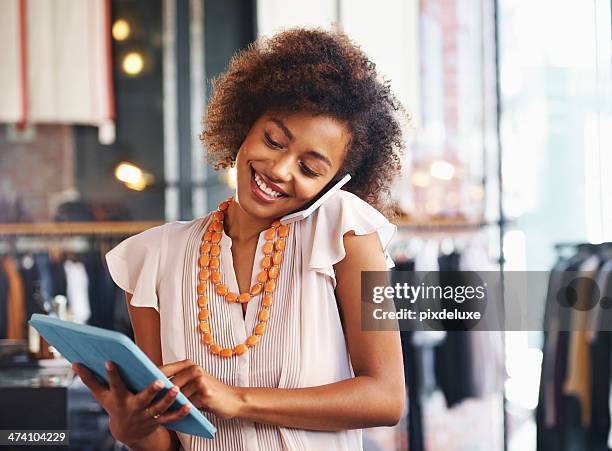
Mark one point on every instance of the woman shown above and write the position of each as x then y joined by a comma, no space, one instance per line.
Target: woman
259,323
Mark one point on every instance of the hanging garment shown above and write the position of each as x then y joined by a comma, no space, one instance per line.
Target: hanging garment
101,291
43,264
304,344
4,287
578,378
16,325
31,285
55,63
78,291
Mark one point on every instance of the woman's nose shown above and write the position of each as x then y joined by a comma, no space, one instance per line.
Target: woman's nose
280,169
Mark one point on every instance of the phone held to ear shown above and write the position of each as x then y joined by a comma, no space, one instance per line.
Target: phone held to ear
325,194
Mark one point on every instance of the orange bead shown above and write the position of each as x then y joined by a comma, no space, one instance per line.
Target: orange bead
264,315
279,245
216,237
203,274
231,297
207,338
277,258
262,276
276,223
256,289
204,261
222,289
215,276
240,349
223,205
260,328
273,272
202,300
217,226
267,300
204,327
244,297
218,216
267,247
203,315
215,250
283,231
214,263
215,349
207,236
252,340
226,353
270,286
266,262
202,288
205,248
269,234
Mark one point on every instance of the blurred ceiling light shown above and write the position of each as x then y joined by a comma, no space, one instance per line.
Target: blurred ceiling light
133,63
231,177
133,177
442,170
121,30
420,178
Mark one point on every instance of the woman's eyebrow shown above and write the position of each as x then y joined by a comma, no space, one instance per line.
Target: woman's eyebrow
320,157
282,126
312,153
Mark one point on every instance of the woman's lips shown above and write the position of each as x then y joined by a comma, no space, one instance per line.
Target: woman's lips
261,195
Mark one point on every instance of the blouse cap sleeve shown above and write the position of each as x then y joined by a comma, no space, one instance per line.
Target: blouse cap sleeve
342,213
134,265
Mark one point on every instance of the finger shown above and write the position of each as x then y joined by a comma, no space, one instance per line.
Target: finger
191,388
117,386
173,368
169,417
88,378
159,407
144,398
187,375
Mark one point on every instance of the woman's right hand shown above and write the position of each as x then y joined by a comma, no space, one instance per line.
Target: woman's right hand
133,417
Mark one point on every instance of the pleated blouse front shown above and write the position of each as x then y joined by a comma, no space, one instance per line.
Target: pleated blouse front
303,344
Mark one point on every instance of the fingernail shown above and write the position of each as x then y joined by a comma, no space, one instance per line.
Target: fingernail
174,389
158,384
107,365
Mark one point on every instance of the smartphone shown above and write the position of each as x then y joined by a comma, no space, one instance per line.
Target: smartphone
311,206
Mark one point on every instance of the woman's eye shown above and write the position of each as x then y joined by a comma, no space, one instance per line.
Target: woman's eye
309,172
271,143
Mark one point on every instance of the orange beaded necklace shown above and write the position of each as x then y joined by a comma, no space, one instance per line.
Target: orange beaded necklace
266,280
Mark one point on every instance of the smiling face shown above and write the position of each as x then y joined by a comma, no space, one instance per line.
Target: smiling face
286,160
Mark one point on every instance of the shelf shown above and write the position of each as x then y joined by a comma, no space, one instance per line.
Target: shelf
119,228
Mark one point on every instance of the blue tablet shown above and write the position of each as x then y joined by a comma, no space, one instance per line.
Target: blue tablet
93,346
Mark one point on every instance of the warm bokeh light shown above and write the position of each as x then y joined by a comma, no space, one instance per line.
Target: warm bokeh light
133,63
133,177
420,179
442,170
121,30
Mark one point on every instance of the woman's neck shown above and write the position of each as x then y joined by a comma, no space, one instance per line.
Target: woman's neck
241,226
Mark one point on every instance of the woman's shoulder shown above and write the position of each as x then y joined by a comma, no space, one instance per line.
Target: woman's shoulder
342,213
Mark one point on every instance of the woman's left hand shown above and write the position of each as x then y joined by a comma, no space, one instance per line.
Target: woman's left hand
204,390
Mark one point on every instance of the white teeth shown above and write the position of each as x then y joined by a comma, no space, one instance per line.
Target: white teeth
265,188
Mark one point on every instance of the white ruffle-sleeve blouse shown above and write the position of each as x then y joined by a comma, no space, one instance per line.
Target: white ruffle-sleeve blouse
304,344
